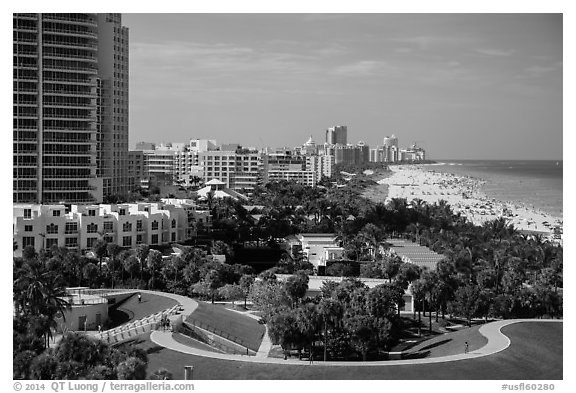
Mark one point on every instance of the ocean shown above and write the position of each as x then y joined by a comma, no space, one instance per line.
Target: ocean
537,184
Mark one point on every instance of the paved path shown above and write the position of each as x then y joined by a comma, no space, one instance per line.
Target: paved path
497,342
265,345
188,305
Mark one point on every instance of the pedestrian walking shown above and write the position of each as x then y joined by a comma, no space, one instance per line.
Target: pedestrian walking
311,357
99,328
466,347
139,298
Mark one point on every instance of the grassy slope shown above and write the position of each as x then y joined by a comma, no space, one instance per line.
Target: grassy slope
182,339
132,310
245,328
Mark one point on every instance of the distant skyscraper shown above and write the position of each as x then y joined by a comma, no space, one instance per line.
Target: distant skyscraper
390,148
337,134
70,128
391,141
350,154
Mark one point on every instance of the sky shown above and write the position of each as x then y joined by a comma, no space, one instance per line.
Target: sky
463,86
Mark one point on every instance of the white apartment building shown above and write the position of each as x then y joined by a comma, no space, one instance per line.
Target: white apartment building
186,167
384,154
238,171
305,177
413,153
321,165
388,152
287,165
80,226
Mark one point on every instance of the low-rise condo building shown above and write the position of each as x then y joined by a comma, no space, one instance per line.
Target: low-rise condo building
79,227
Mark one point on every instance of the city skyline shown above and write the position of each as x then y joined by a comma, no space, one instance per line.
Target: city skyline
460,85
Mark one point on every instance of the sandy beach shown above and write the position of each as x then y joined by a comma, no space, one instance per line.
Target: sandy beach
463,195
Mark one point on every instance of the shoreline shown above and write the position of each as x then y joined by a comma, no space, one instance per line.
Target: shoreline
464,196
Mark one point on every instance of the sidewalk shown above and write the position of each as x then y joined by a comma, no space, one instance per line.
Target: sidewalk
496,342
188,307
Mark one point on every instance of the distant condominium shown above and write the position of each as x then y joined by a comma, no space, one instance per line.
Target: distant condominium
390,152
79,227
70,128
242,169
349,154
201,159
337,134
239,169
286,164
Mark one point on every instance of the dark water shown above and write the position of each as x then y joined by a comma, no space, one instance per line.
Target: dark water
533,183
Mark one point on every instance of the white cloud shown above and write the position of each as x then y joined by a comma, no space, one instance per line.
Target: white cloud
403,50
495,52
364,68
185,61
425,41
537,71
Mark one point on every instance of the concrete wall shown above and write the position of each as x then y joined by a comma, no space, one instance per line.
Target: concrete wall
94,314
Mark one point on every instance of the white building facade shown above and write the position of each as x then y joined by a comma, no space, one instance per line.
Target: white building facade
79,227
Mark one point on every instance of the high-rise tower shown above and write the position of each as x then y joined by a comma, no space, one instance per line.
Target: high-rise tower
337,134
112,158
60,107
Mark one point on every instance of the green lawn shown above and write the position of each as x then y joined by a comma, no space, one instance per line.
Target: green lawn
182,339
131,310
535,353
229,324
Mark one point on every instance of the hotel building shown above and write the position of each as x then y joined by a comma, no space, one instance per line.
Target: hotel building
239,170
413,153
70,101
349,154
112,151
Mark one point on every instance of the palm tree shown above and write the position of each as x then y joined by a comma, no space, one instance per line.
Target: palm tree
113,251
142,253
331,312
38,293
418,289
100,249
